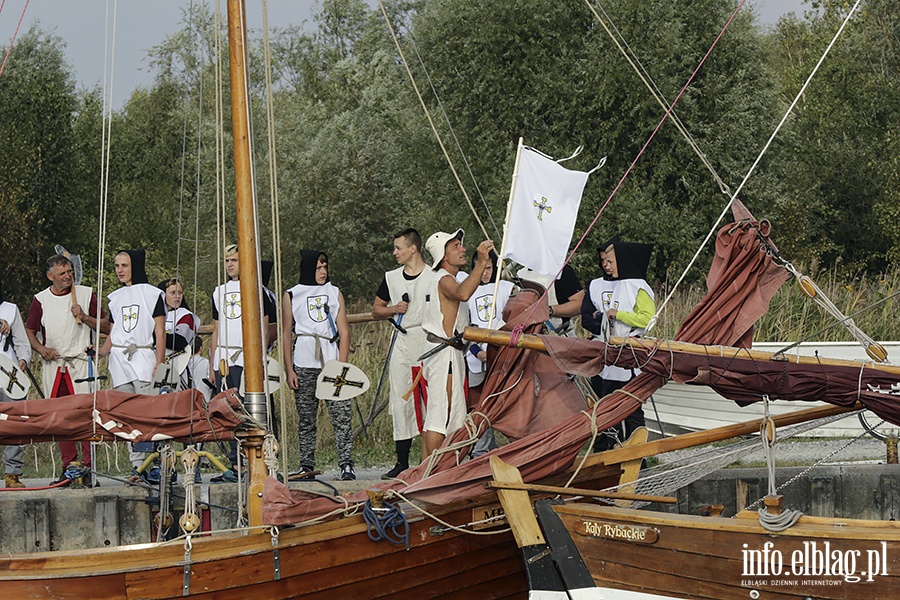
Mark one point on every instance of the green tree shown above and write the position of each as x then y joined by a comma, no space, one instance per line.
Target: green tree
40,171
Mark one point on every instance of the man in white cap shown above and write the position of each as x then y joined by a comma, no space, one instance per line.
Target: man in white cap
446,314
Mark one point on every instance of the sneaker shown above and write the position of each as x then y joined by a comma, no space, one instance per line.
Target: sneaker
347,473
12,481
304,474
229,476
62,479
398,468
152,476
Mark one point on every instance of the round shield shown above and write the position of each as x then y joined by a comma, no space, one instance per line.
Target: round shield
340,381
273,376
13,381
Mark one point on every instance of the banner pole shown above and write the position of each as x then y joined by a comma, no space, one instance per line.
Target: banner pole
512,191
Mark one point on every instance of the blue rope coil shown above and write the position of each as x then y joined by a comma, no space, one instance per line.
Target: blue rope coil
387,523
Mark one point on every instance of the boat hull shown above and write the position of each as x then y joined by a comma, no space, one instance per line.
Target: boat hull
326,560
657,555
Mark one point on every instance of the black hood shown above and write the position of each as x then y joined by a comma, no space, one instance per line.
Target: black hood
138,265
162,285
632,259
309,259
493,256
265,270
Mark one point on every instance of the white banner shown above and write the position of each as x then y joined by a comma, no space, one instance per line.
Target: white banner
542,212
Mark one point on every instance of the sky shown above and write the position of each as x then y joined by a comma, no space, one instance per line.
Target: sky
142,24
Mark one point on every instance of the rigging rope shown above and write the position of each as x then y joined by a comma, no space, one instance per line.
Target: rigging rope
430,121
15,34
645,77
453,133
276,233
655,318
643,149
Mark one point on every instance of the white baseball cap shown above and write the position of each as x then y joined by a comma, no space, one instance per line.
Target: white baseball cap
437,243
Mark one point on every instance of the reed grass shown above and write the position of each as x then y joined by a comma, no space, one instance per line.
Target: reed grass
791,317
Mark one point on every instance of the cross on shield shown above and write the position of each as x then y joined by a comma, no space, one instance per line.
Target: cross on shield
542,206
315,306
340,381
130,316
12,380
483,307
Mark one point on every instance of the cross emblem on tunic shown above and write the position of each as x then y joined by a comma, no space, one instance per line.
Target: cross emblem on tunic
542,206
318,308
340,381
485,306
233,302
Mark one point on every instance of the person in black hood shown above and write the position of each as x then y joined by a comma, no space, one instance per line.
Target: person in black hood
315,312
135,344
270,306
619,304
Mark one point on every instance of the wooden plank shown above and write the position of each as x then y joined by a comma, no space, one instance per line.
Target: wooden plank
516,504
568,491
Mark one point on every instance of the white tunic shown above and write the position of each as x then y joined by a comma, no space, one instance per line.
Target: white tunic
19,348
444,414
230,344
407,348
621,295
65,335
480,314
131,308
312,348
183,322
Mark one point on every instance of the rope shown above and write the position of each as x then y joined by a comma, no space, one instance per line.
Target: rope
453,134
15,35
387,523
458,528
105,145
640,153
762,152
645,77
430,121
276,227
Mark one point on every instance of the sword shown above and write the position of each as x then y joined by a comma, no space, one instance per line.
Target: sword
387,361
396,323
33,380
90,378
454,342
334,331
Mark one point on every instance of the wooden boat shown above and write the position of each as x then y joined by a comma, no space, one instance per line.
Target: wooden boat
643,554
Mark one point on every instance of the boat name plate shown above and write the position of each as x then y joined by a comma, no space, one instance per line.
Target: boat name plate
486,517
617,531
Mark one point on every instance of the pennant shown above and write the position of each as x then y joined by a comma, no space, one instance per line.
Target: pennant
542,212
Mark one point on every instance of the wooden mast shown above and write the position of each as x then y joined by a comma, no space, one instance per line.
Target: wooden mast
251,316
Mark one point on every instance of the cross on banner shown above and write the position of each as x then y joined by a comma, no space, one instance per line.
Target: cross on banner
341,380
542,206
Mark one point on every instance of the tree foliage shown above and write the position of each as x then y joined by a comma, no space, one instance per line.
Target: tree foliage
357,159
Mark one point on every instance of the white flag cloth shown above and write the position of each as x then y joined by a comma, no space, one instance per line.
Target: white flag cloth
542,212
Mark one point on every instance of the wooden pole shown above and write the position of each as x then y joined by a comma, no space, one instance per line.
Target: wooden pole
533,342
251,316
512,191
